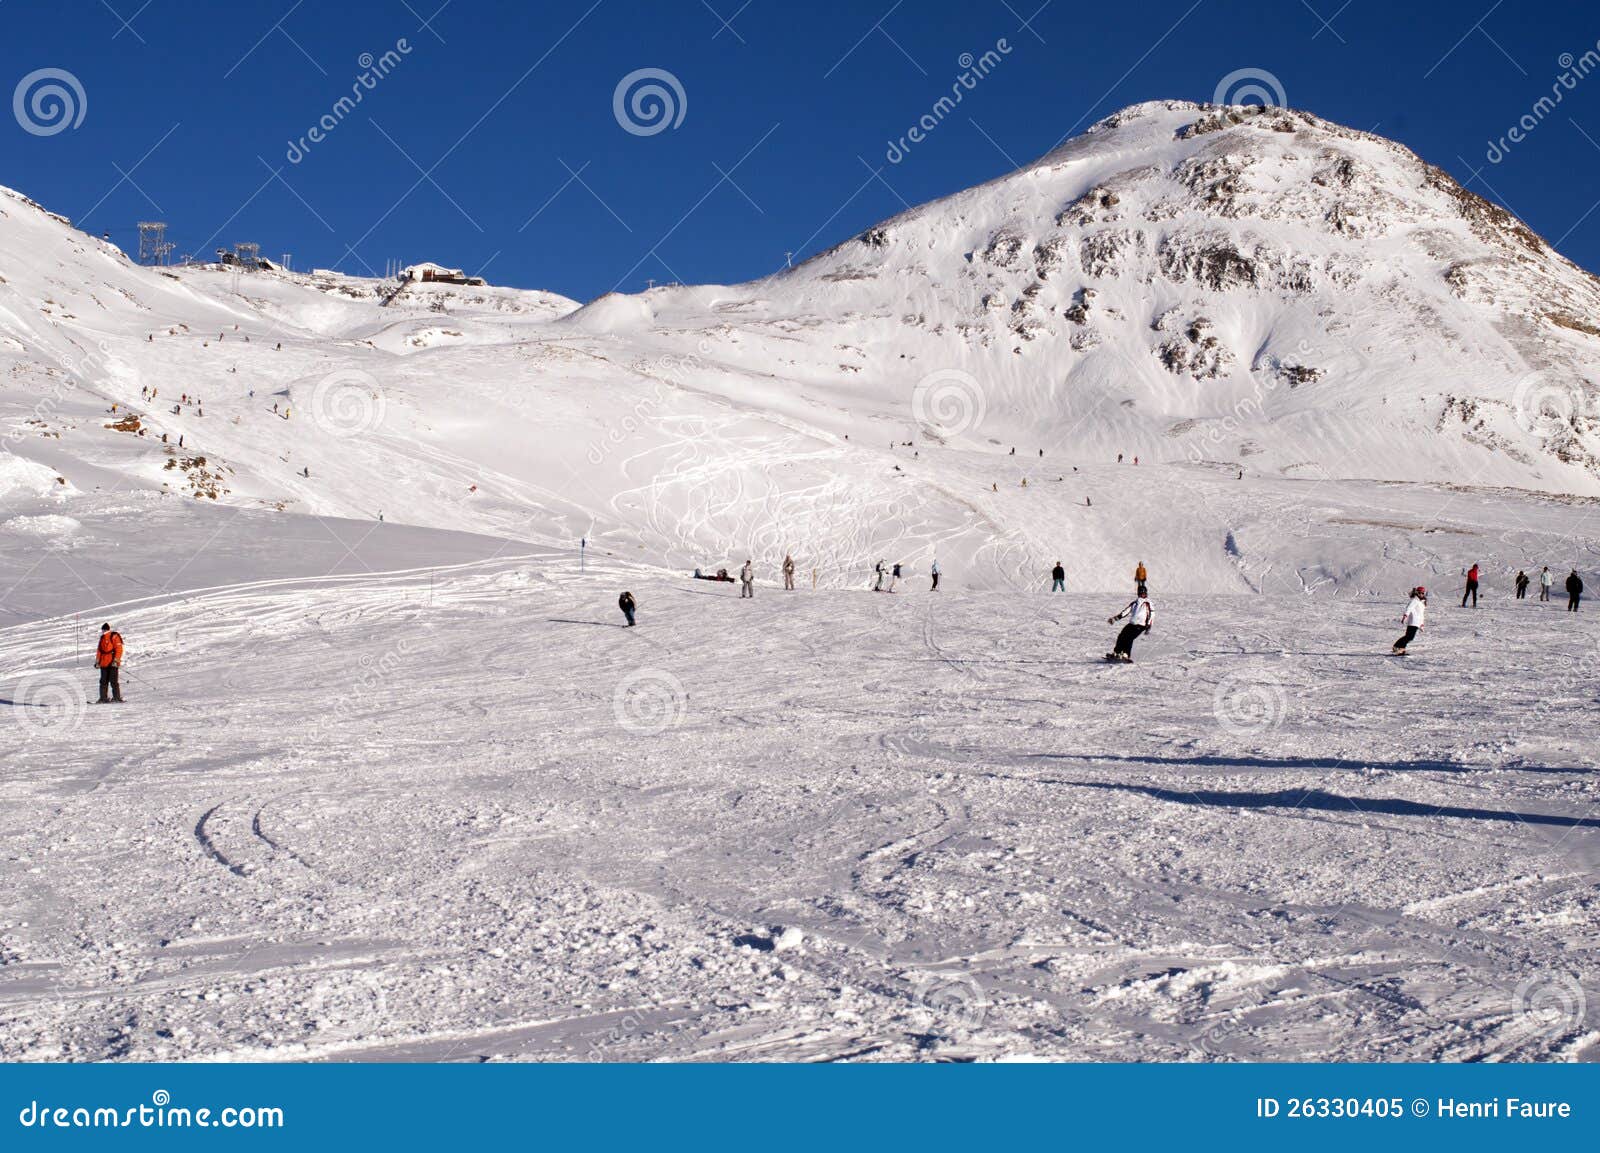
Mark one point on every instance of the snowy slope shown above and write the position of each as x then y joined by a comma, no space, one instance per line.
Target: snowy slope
469,817
1209,290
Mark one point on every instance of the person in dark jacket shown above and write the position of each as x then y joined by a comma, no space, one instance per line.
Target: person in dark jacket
1522,584
626,604
1058,579
1574,590
108,659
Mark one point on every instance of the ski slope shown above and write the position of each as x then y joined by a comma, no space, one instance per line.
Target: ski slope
459,813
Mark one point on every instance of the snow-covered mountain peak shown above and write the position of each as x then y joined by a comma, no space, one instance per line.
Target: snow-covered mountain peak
1222,290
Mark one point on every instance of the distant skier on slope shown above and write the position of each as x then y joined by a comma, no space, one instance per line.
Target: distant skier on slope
1058,579
1472,587
877,582
1413,618
1140,576
1545,581
1522,585
747,581
788,572
935,574
1139,614
1574,590
626,603
894,576
108,659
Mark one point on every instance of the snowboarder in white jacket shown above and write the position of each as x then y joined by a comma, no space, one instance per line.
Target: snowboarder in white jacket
1139,615
747,581
1414,617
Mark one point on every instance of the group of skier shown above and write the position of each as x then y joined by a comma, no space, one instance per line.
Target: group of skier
1574,587
1417,606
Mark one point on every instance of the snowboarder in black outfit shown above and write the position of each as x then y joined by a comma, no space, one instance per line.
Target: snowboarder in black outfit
1058,579
1574,590
1139,614
626,604
1522,584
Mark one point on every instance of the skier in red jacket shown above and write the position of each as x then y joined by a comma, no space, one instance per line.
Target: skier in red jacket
1472,587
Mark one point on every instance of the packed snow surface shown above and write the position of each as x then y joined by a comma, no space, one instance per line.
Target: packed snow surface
460,812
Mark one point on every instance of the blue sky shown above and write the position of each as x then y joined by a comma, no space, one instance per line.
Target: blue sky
492,142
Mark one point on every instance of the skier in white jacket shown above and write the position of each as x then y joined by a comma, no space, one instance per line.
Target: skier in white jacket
1415,616
1139,616
747,581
